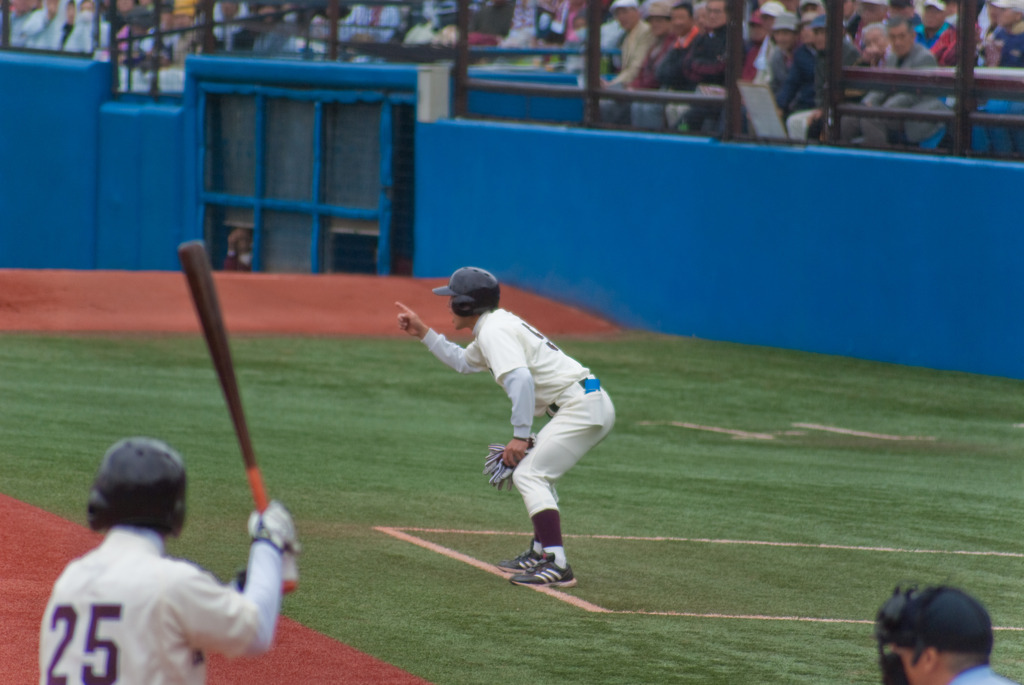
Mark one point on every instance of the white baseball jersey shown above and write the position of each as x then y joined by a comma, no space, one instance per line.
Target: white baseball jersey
504,342
125,614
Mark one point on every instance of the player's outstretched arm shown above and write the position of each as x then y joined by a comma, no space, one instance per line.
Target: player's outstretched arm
410,322
270,565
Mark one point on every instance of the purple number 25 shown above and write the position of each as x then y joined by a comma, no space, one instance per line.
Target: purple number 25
99,612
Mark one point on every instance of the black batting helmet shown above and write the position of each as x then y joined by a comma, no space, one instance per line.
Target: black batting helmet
943,617
141,482
473,291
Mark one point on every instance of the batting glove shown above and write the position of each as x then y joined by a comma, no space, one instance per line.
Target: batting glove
275,525
500,475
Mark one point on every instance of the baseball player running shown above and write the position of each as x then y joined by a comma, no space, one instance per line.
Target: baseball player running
124,613
538,378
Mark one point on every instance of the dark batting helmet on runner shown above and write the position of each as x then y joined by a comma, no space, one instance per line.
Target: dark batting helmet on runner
140,482
473,291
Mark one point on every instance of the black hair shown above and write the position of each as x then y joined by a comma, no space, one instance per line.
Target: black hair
688,6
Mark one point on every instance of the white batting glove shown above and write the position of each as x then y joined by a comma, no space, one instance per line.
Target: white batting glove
276,526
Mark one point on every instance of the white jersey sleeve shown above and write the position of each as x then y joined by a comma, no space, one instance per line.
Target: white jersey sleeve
454,355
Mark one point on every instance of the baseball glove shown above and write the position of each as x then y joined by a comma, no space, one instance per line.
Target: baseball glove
499,475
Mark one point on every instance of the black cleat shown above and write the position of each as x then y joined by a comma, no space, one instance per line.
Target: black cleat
546,574
525,562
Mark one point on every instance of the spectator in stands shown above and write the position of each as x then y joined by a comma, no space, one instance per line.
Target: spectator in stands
649,115
868,12
810,9
273,30
933,23
988,20
523,32
491,22
757,34
575,64
807,125
849,11
769,11
44,28
786,40
797,93
231,36
550,21
80,39
636,43
179,37
905,9
20,11
1009,34
705,66
906,53
660,31
1006,49
876,45
370,24
700,15
576,20
670,72
944,48
69,21
239,257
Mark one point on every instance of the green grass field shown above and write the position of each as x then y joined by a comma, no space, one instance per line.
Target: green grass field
354,434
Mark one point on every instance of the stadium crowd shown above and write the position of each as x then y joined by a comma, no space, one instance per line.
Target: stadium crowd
650,45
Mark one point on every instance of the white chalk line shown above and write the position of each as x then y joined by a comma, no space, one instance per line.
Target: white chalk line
489,568
736,433
860,434
739,434
723,541
401,534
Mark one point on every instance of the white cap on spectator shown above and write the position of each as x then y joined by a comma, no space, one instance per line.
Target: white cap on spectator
883,3
772,8
1014,5
618,4
786,20
658,8
937,4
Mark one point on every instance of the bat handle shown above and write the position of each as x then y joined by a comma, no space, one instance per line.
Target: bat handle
259,493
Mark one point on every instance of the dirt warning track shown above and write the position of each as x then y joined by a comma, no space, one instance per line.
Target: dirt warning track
158,301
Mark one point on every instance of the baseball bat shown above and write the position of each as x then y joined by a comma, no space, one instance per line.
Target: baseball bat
196,265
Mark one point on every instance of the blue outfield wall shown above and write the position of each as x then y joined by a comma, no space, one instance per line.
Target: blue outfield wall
144,191
898,258
86,182
49,140
907,259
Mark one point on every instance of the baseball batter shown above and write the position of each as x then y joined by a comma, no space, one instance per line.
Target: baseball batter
538,378
124,613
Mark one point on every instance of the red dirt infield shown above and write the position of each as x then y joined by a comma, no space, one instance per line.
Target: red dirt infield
37,545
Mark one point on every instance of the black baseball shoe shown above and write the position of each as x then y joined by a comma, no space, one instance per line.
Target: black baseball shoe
521,564
547,574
